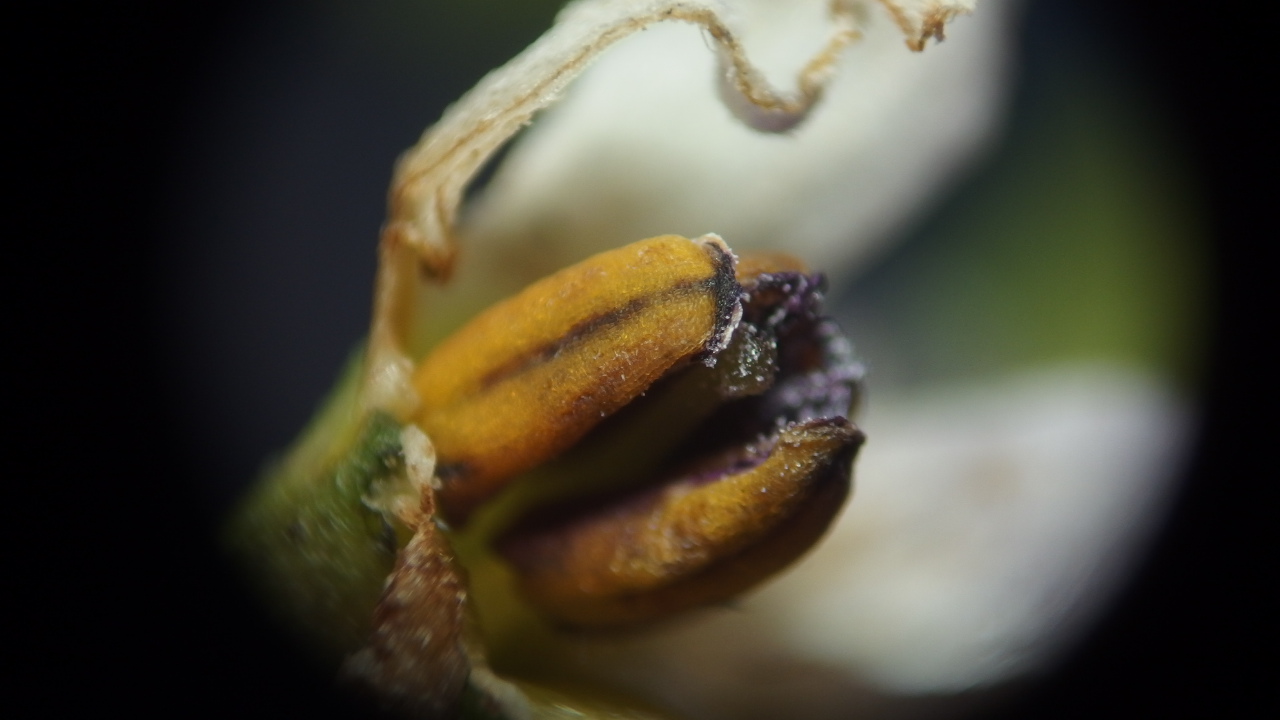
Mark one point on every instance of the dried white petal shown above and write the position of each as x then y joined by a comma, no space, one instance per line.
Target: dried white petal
641,146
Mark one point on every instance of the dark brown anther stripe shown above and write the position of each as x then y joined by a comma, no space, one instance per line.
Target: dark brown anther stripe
589,326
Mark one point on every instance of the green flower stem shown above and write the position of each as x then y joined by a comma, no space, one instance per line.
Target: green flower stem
306,538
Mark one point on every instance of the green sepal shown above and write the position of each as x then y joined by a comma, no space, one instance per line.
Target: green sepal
306,538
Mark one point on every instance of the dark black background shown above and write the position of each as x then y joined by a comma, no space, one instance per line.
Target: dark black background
122,602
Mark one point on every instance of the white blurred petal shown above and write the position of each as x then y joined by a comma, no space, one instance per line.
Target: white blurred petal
990,521
641,145
987,524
